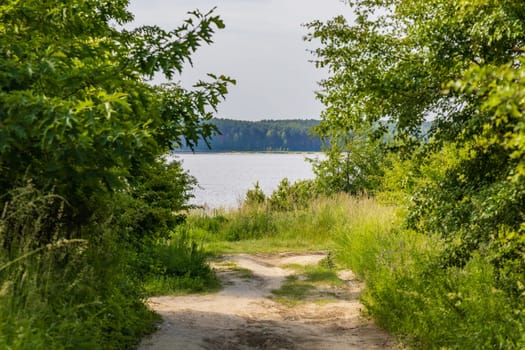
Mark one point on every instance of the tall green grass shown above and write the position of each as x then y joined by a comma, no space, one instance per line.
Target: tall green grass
427,305
67,293
259,228
180,266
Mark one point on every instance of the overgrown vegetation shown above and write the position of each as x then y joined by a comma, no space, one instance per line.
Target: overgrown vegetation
88,205
68,293
180,266
282,221
452,275
428,305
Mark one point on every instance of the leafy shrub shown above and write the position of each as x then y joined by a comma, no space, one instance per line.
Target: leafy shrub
294,196
354,164
287,196
255,196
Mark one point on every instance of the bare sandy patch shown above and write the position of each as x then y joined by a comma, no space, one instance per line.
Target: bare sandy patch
244,315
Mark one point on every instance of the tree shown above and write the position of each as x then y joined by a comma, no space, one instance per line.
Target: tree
392,64
78,112
458,63
84,190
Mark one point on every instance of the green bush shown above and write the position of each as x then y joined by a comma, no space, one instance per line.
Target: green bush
255,196
287,197
297,195
354,163
180,265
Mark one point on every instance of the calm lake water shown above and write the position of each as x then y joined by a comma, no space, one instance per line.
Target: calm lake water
224,178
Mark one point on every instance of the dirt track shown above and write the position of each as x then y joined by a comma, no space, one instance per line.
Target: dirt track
243,315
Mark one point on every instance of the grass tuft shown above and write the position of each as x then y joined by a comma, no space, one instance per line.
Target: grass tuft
293,291
308,283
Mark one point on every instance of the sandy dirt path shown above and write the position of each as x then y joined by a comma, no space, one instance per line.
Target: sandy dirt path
243,315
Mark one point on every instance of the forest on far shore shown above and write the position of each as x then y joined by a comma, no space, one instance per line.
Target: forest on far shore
260,136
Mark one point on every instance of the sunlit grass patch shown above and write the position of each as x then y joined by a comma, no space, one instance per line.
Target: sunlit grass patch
295,267
309,283
232,266
179,266
317,274
258,229
293,291
266,245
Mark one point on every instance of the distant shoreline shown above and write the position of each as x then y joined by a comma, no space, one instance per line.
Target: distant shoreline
245,152
273,136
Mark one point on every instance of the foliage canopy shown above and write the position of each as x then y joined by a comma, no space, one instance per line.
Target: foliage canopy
84,190
79,113
458,63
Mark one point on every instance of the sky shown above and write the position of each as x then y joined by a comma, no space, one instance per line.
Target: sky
261,47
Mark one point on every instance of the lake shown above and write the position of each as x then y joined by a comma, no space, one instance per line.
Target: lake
224,178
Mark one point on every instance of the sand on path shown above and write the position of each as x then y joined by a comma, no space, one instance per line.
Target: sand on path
245,316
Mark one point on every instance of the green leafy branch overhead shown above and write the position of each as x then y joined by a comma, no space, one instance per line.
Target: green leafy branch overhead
392,63
78,110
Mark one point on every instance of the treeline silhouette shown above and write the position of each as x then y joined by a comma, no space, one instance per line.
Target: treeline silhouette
266,135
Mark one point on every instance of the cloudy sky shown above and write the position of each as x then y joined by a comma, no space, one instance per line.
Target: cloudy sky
261,47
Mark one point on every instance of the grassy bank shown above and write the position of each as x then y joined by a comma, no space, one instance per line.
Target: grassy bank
84,294
259,228
408,290
429,305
